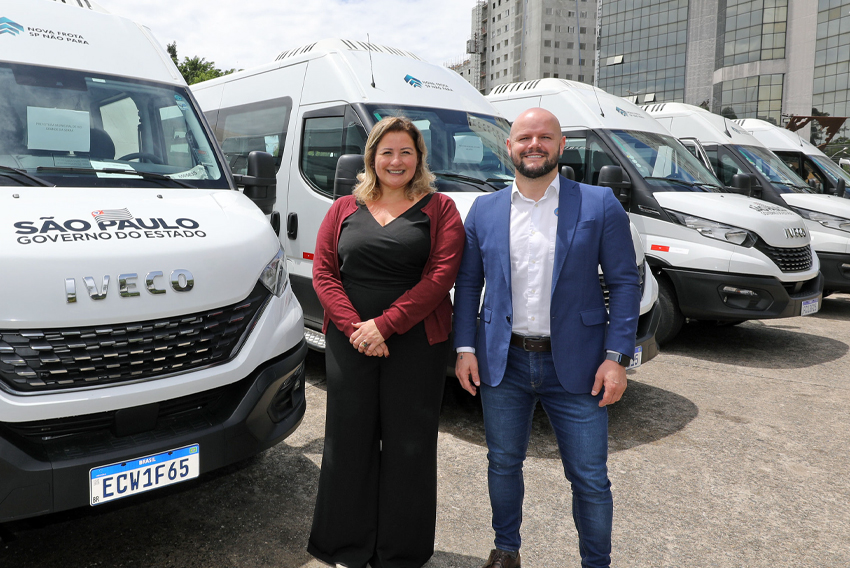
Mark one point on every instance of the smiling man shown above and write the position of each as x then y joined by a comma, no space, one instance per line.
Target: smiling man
544,333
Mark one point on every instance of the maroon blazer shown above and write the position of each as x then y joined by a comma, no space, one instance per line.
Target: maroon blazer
428,300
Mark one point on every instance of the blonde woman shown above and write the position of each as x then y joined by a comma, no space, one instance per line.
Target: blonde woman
386,258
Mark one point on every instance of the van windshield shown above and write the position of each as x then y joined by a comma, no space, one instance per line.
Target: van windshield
664,163
466,151
831,169
777,172
71,128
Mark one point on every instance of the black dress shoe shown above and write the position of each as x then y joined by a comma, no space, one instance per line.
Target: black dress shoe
503,559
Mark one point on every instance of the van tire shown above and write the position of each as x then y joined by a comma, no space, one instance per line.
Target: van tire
671,320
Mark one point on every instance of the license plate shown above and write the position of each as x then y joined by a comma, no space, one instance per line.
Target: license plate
636,359
118,480
809,307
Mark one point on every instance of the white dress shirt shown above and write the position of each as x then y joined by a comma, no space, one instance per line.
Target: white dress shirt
534,226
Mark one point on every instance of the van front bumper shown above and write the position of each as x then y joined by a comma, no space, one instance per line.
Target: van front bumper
45,465
836,271
645,339
731,297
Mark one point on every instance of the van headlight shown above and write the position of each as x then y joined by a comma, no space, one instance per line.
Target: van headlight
830,221
714,230
274,276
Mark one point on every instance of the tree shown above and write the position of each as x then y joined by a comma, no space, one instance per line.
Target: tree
196,69
729,113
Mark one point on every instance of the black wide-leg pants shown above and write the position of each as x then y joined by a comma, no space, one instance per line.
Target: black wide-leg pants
377,498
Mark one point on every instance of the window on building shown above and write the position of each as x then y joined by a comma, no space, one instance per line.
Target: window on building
571,29
571,14
555,75
557,45
581,78
547,27
547,43
545,75
584,14
582,30
547,59
569,77
548,11
569,60
570,45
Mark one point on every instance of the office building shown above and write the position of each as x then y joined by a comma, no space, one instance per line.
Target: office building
519,40
768,59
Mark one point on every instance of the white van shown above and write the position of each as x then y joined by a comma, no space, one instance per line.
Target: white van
148,333
804,158
718,256
316,103
731,151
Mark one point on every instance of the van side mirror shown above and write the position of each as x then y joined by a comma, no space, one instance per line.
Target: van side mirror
568,172
260,182
613,177
345,177
840,188
742,184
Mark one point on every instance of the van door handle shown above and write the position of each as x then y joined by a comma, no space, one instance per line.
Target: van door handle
292,226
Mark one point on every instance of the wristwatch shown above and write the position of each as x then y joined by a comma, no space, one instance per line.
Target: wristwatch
619,358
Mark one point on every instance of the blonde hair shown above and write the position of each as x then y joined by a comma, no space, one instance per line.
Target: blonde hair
368,186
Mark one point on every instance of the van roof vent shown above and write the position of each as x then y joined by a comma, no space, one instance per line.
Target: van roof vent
513,87
653,108
82,4
346,44
296,51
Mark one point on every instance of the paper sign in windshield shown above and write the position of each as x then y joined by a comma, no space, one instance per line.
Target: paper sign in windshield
58,129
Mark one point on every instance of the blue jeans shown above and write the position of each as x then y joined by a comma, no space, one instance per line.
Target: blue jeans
581,428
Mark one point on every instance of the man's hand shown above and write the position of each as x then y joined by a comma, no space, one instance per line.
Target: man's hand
466,369
612,376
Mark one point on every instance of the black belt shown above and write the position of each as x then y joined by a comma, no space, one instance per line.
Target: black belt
540,343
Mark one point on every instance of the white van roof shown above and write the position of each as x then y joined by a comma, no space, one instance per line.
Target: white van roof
703,125
351,68
777,138
81,35
575,104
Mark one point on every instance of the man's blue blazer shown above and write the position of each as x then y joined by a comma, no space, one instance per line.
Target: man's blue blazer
593,230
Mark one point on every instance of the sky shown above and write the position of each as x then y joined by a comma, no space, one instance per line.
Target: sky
247,33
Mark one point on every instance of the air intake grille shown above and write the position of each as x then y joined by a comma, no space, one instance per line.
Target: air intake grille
49,360
788,259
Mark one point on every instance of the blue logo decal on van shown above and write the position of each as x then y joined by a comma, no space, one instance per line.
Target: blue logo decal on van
413,81
621,111
7,26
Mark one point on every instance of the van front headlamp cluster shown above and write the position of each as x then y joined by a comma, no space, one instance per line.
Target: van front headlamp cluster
274,275
830,221
714,230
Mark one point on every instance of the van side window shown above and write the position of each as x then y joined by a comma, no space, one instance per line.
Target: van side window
325,139
255,126
174,132
723,164
585,155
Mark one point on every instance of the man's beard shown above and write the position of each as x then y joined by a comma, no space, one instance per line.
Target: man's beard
532,172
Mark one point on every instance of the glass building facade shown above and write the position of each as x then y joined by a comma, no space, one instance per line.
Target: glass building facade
750,31
832,64
754,30
750,97
642,49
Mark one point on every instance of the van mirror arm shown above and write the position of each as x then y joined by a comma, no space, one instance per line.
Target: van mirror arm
260,182
345,178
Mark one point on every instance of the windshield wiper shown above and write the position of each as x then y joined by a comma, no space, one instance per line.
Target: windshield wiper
672,180
8,171
471,179
146,175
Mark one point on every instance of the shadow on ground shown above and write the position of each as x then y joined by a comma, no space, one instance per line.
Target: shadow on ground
644,414
758,345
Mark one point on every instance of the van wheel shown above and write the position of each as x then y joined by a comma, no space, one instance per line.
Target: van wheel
671,319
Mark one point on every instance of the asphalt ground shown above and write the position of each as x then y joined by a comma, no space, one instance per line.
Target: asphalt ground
729,449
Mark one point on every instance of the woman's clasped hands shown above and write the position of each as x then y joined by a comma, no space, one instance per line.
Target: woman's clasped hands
368,340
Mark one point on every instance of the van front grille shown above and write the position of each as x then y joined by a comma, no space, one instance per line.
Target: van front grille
50,360
796,259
